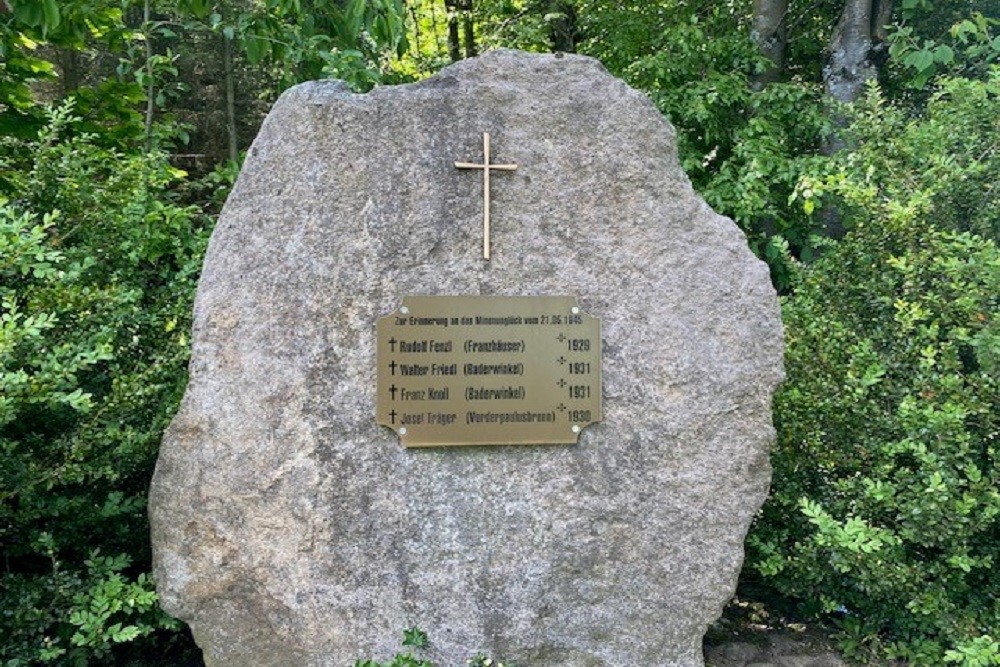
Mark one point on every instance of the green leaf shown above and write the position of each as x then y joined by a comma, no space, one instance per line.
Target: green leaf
29,13
199,8
256,49
967,26
126,634
51,11
923,60
944,54
415,637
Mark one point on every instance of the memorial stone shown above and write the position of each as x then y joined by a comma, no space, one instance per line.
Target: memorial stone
290,528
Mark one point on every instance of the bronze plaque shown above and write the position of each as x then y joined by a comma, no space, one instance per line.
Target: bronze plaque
488,370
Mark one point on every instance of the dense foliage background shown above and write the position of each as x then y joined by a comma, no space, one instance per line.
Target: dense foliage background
856,142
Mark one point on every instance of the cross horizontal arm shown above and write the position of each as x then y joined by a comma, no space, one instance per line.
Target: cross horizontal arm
472,165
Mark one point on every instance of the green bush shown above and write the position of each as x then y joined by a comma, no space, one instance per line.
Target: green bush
885,510
744,150
945,160
97,270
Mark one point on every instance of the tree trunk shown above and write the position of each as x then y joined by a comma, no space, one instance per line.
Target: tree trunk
769,32
857,49
850,64
150,84
563,31
881,16
434,29
415,44
70,69
227,54
454,42
470,33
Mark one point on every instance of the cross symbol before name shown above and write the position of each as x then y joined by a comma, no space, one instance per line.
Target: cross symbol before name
486,167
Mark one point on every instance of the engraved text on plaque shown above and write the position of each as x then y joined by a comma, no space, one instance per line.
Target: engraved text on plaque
488,370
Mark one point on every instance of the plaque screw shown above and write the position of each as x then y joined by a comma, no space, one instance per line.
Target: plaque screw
404,310
576,429
402,431
574,310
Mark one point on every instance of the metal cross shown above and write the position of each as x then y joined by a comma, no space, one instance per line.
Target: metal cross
486,167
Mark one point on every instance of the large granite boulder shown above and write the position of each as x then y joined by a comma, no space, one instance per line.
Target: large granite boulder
290,529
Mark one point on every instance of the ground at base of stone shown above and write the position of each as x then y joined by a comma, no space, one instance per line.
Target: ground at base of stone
733,641
746,636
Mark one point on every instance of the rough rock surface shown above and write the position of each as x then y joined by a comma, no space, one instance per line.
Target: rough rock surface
775,648
290,529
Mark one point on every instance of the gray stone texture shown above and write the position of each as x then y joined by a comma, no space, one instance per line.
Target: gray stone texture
776,648
290,529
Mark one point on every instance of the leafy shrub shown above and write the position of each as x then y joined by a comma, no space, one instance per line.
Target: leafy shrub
966,49
744,150
886,501
97,269
945,161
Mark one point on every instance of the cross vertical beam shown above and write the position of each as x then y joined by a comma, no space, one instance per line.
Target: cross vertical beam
486,167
